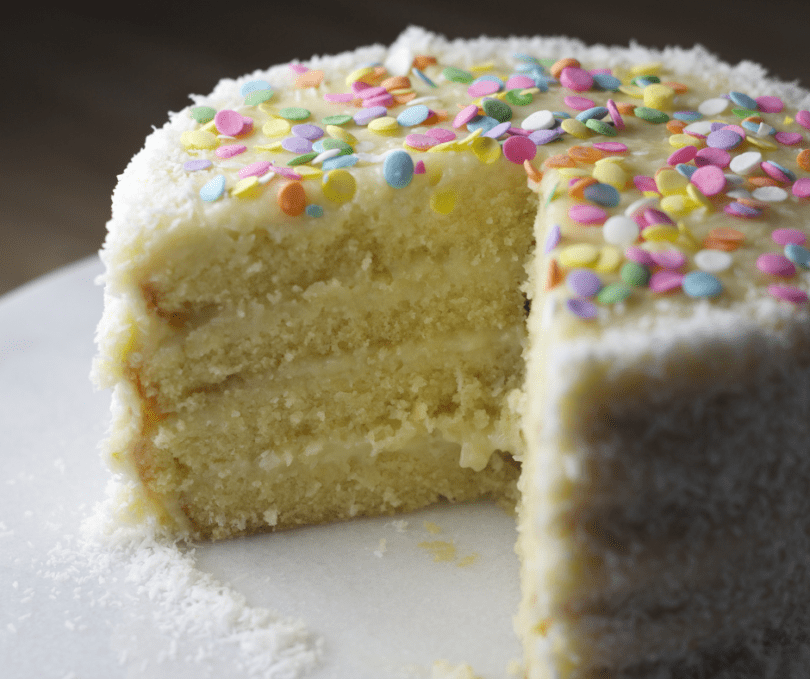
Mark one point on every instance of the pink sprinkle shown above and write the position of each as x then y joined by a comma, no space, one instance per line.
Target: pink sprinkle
441,134
682,155
229,122
578,103
615,116
773,171
801,188
710,156
256,169
287,172
369,92
600,71
709,179
520,131
770,104
419,167
654,216
385,99
735,128
803,118
465,115
665,281
482,88
788,138
576,79
585,214
247,126
519,82
519,149
298,68
669,259
338,97
230,150
776,265
639,256
420,141
645,184
789,293
358,86
788,236
611,146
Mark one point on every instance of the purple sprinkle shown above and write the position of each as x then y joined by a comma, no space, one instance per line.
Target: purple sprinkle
553,238
296,145
583,282
197,164
366,115
582,308
740,210
723,139
497,131
540,137
307,131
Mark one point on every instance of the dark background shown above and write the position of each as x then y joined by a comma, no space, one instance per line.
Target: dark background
83,87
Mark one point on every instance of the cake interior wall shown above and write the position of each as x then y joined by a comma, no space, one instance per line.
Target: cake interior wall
289,361
681,543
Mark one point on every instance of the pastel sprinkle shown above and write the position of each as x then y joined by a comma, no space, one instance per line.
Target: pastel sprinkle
665,281
803,118
724,139
798,254
203,114
256,169
712,156
465,115
770,104
587,214
313,210
620,230
602,194
777,171
229,122
518,149
296,145
539,120
714,106
307,131
682,155
669,259
540,137
582,308
701,284
443,201
366,115
197,164
552,238
788,293
801,188
651,115
256,97
776,265
614,293
709,179
337,119
576,79
615,114
713,261
606,81
339,185
579,254
583,282
292,199
419,168
788,138
495,108
578,103
769,194
230,150
213,189
787,236
745,163
742,99
294,113
482,88
398,169
339,161
635,274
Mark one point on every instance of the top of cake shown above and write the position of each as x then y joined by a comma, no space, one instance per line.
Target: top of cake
668,179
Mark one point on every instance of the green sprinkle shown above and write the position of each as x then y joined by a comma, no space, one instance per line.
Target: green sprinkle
294,113
644,80
304,158
457,75
601,127
548,62
651,115
332,143
744,112
635,274
614,293
515,97
495,108
202,114
339,119
257,97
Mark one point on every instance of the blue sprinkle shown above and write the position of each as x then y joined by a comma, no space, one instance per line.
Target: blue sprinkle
686,170
213,189
788,173
484,122
339,161
743,100
424,77
701,284
560,115
597,112
314,210
798,254
602,194
254,85
605,81
413,115
520,56
687,116
398,169
489,78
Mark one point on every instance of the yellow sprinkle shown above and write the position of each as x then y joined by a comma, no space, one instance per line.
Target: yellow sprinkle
339,185
434,175
530,90
445,146
384,125
210,126
309,172
610,160
677,204
580,254
571,172
483,67
697,196
276,127
632,90
268,108
610,173
761,142
246,188
788,120
610,257
359,74
681,140
486,149
687,236
198,139
575,128
403,90
658,96
470,137
443,201
660,232
272,146
670,182
650,68
337,132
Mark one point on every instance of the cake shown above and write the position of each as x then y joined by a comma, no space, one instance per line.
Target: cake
568,277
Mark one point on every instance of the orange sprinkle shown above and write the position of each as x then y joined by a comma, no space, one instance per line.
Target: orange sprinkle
396,82
626,108
679,88
752,119
575,190
675,126
403,98
532,172
309,79
560,160
558,66
724,238
441,115
803,159
291,198
379,73
585,154
422,61
714,244
762,181
553,275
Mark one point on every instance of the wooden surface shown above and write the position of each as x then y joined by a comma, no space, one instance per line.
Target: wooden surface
83,87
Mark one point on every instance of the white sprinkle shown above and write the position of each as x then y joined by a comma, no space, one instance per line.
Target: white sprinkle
770,194
711,107
713,261
745,163
539,120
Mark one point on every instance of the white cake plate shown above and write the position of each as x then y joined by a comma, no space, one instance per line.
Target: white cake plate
372,591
